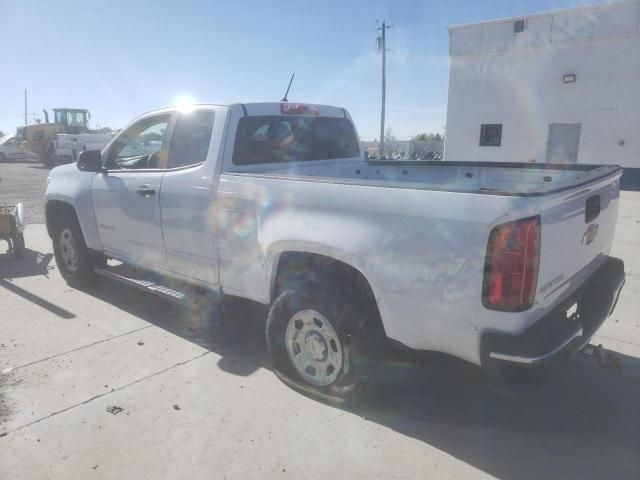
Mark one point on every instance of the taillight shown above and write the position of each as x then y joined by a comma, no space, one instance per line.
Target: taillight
298,109
511,265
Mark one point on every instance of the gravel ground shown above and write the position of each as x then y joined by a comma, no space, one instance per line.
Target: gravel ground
24,182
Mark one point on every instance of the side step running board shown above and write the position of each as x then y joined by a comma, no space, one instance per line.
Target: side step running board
125,274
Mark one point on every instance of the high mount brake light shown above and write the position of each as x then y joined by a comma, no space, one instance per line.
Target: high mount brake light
298,109
511,265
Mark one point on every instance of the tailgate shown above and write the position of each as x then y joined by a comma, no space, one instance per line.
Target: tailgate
577,232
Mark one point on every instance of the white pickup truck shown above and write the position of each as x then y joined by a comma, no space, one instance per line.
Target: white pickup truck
503,265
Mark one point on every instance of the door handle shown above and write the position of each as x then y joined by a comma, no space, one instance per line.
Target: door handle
146,190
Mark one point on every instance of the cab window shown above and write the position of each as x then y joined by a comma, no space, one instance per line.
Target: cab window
191,138
280,139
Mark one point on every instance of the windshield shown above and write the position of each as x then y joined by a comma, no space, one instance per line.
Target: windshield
74,119
325,240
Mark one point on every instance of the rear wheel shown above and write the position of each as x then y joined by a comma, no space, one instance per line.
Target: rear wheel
3,158
321,342
73,258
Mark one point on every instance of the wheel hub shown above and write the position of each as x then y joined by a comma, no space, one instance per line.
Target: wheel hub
314,347
68,250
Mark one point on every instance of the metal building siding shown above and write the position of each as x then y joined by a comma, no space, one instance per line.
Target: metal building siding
579,23
521,86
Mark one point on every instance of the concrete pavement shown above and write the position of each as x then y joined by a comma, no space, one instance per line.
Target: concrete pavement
115,383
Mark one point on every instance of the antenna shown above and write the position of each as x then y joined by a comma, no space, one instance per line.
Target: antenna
284,99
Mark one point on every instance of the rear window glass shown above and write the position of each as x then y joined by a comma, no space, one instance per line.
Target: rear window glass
279,139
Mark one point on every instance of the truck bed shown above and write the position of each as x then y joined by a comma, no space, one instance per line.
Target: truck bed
418,231
494,178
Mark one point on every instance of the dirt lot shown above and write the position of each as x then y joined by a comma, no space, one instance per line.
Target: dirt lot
24,182
114,383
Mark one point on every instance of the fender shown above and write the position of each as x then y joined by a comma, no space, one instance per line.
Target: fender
276,250
67,184
338,237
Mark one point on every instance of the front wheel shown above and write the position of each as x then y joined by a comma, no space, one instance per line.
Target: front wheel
321,342
73,258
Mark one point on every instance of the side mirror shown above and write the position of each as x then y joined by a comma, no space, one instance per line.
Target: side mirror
90,161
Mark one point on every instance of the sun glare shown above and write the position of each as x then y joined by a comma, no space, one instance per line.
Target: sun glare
185,104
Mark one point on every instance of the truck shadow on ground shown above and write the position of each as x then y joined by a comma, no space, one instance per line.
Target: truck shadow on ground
229,326
584,425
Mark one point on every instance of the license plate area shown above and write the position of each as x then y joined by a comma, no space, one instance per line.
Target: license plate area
572,312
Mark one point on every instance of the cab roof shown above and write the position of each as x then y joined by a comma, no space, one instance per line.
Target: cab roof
267,108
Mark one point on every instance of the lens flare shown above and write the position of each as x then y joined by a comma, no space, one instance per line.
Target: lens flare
185,104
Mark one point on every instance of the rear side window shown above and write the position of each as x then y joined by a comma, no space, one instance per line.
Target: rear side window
191,138
280,139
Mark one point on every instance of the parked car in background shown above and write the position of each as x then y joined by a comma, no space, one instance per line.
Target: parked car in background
10,150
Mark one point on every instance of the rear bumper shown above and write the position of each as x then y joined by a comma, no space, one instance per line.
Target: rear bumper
530,359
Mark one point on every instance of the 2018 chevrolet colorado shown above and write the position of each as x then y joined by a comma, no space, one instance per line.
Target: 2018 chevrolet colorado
503,265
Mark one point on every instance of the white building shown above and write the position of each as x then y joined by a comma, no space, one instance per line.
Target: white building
554,87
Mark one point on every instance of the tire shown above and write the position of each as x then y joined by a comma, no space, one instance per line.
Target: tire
304,310
18,245
73,258
3,158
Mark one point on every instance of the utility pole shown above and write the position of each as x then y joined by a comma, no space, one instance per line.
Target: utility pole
382,45
25,106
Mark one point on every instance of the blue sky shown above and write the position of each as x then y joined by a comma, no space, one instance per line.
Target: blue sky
120,58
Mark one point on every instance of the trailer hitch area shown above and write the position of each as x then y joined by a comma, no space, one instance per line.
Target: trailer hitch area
606,359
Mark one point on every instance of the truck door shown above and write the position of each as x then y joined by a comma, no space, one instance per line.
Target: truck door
563,142
126,199
188,198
